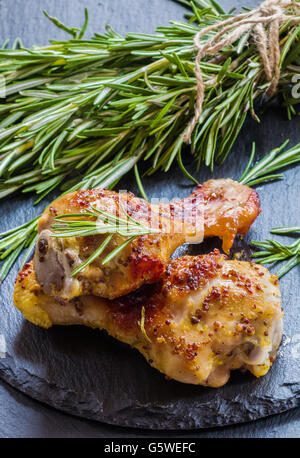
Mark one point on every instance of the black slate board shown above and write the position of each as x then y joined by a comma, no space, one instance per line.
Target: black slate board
86,373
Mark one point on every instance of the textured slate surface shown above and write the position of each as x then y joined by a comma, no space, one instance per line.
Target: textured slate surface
85,372
23,417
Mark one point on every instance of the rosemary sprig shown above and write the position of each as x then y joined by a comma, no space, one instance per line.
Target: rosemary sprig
13,242
264,170
102,223
275,251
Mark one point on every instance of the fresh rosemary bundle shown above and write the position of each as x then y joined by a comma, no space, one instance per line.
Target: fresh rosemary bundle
94,108
276,252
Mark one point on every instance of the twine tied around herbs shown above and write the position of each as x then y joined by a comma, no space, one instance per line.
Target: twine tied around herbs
267,39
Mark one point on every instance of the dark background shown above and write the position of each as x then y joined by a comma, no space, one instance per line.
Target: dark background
23,417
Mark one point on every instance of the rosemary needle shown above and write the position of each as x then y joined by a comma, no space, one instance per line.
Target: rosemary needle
142,325
139,183
92,258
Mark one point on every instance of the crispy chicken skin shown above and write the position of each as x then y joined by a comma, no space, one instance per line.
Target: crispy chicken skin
141,262
229,209
205,317
220,208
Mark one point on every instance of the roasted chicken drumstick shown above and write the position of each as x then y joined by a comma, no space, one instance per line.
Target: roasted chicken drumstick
220,208
204,318
141,262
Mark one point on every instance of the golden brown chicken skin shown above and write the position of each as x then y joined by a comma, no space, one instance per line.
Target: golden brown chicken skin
220,208
205,318
141,262
229,209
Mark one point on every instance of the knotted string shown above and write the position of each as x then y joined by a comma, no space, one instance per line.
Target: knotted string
255,22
